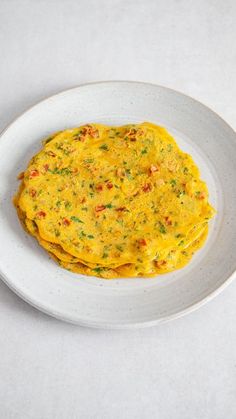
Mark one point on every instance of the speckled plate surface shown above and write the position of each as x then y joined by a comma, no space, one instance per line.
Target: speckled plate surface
122,303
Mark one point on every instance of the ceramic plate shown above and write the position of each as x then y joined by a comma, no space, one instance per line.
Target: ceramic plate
122,303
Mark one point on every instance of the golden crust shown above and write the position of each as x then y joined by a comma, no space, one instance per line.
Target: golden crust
115,201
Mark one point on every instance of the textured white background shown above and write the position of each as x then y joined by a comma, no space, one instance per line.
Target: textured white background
181,370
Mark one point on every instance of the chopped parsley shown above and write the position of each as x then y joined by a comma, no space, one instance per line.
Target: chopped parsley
104,147
76,219
88,160
119,247
180,193
63,171
173,182
98,270
58,204
128,174
68,205
162,229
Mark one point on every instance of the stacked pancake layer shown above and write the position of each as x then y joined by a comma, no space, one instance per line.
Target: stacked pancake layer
115,201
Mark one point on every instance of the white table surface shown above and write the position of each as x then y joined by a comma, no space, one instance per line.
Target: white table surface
181,370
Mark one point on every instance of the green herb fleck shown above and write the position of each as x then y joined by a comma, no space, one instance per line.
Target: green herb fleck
63,171
104,147
98,270
88,160
128,174
144,150
173,182
119,247
68,205
90,236
109,205
162,229
180,193
76,219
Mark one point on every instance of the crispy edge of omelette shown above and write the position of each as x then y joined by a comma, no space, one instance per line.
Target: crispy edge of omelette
161,266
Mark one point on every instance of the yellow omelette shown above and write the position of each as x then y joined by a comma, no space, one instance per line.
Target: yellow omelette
115,201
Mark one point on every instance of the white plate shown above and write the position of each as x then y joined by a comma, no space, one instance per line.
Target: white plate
123,303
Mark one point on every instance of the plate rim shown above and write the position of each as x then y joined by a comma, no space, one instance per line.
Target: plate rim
118,326
107,325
